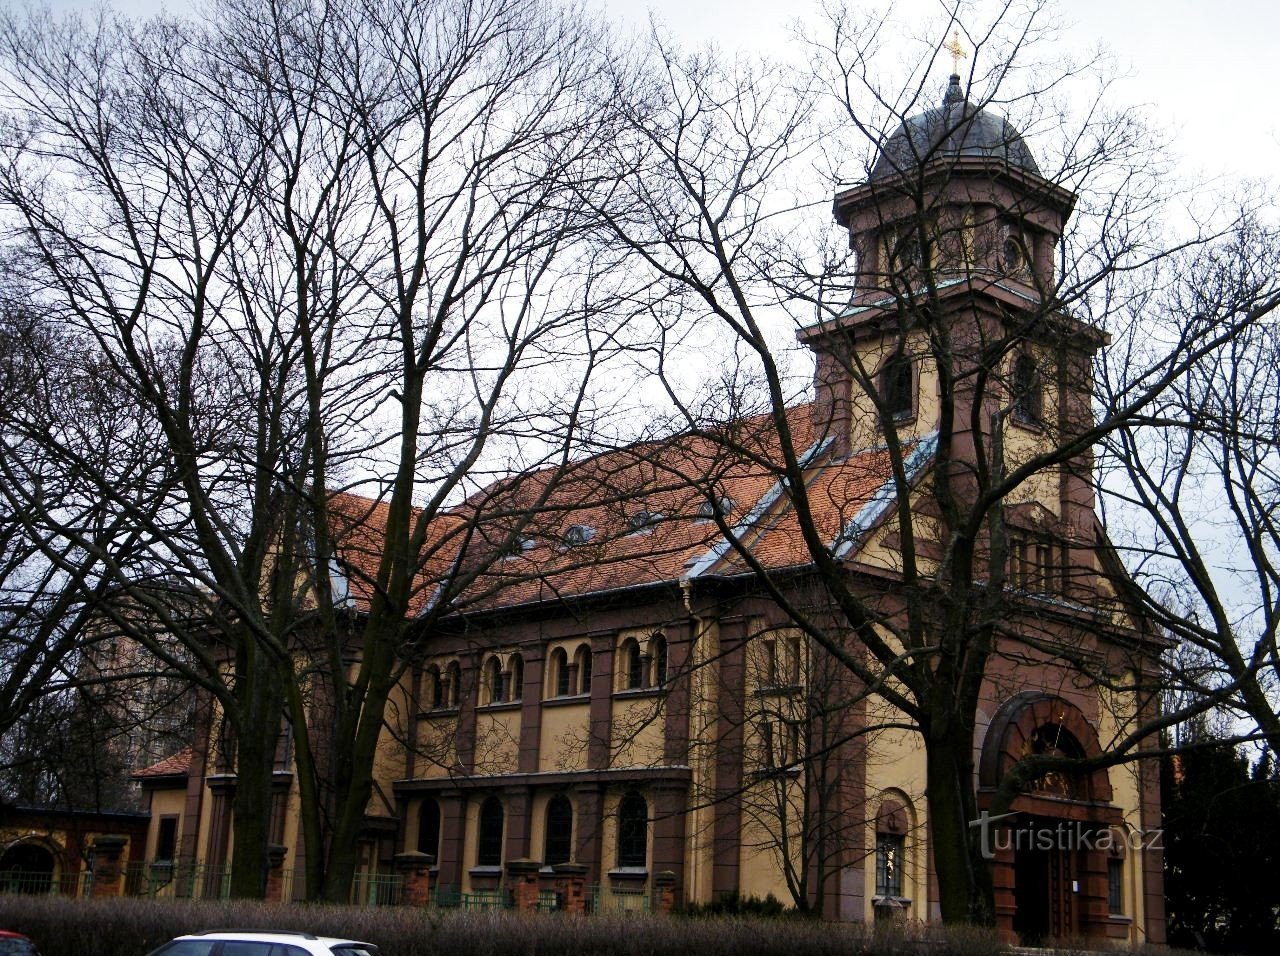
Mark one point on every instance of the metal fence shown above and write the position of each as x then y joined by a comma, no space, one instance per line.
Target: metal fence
199,881
485,900
44,883
446,895
376,889
181,881
178,881
603,898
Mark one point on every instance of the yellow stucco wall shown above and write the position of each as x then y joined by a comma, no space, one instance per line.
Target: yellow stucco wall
1116,713
638,731
703,719
165,803
896,771
497,740
437,749
868,358
563,737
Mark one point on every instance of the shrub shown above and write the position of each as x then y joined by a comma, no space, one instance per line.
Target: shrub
125,927
734,905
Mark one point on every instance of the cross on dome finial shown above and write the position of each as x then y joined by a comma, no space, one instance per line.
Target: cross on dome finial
957,51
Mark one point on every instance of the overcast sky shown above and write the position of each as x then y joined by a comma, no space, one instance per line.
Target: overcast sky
1210,70
1207,69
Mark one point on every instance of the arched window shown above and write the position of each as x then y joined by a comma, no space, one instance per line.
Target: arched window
907,255
898,387
559,843
658,654
891,829
1028,394
582,658
633,831
889,864
429,827
632,664
1014,255
794,660
492,681
453,683
32,866
489,836
1053,740
434,688
559,673
516,668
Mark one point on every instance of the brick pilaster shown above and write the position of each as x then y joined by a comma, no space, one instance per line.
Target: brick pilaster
415,869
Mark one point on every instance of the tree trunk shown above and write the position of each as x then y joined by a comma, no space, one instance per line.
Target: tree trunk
965,890
353,776
353,786
260,708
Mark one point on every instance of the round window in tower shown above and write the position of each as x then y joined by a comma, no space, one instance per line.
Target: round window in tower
1015,256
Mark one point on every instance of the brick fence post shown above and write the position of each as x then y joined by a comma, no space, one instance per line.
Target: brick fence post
664,891
571,886
275,873
107,871
522,876
415,869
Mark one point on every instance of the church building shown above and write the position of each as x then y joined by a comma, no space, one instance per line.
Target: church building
632,695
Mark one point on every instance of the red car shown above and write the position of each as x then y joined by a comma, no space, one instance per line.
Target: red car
15,944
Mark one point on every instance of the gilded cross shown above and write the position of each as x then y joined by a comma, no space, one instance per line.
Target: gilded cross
956,49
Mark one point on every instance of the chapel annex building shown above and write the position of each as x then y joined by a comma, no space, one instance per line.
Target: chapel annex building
636,707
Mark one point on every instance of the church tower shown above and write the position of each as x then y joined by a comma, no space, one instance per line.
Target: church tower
954,329
957,351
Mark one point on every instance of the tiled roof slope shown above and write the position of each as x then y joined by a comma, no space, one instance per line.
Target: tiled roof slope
607,493
177,765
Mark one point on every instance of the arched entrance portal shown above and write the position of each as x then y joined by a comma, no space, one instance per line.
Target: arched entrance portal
27,868
1050,854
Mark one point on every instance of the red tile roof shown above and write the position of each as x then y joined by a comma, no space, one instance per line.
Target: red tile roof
670,479
178,765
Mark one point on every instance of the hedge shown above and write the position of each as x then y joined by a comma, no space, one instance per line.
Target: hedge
130,927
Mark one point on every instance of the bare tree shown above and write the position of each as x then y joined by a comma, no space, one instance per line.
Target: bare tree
804,747
51,583
1194,478
318,248
964,277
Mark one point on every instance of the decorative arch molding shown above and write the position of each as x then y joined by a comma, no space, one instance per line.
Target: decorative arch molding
895,813
1013,733
892,879
41,841
32,864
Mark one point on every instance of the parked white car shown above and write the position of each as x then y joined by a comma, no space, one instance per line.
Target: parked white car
262,943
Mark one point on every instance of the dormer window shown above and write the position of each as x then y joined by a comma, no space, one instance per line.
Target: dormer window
642,521
707,510
517,546
578,534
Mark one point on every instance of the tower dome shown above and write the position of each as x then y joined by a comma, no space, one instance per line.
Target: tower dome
953,130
